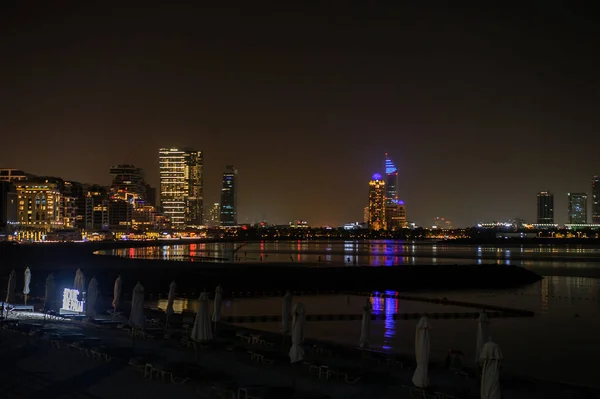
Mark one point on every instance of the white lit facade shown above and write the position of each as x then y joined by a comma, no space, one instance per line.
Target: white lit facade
181,186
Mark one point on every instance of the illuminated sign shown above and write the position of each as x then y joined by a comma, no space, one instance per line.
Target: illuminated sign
70,301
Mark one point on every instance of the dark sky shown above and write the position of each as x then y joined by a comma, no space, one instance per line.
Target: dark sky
480,108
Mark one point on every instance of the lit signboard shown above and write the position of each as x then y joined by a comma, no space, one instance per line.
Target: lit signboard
70,301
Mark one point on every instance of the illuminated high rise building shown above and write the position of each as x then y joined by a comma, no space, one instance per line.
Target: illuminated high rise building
181,186
577,208
545,208
128,183
395,211
377,203
596,199
229,197
391,180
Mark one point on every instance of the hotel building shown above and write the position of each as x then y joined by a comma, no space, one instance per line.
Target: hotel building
181,186
377,203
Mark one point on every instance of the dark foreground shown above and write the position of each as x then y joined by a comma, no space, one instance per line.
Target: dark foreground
82,360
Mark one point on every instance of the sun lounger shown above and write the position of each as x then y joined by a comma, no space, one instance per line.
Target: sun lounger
21,308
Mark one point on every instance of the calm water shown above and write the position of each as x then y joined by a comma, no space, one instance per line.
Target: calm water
561,342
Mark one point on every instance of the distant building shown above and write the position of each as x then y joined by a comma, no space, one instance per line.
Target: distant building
214,215
96,209
395,210
442,223
577,208
150,195
229,197
8,205
596,199
40,205
299,224
128,183
13,175
181,186
545,208
366,215
391,180
377,203
395,215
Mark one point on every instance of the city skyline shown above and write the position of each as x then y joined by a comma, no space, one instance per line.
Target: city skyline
468,102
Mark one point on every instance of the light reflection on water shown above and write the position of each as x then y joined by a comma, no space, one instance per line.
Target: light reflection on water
374,253
567,317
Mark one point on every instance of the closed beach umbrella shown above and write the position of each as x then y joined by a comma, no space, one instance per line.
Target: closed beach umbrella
421,377
202,330
297,351
216,316
50,291
26,283
286,312
10,289
92,296
366,324
117,293
171,299
491,359
136,317
483,325
79,282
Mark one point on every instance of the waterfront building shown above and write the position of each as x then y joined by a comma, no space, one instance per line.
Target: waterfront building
377,195
366,215
214,215
577,208
144,217
40,205
229,190
596,199
545,208
181,186
8,206
395,210
96,208
127,183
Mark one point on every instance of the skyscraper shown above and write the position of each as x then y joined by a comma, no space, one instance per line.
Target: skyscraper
229,197
391,172
545,208
577,208
181,186
377,194
596,199
395,211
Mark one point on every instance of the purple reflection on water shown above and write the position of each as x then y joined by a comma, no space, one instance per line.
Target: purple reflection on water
391,308
389,261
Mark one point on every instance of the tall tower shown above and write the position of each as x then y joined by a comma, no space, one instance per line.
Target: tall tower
377,192
395,211
545,208
596,199
181,186
577,208
229,197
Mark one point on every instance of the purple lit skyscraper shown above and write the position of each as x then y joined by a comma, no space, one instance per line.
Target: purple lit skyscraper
395,212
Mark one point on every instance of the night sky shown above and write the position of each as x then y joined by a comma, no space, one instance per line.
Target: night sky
479,108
